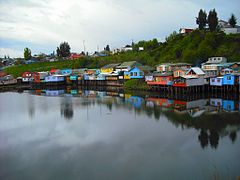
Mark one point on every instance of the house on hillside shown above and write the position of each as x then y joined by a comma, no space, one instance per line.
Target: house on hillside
185,31
227,28
75,56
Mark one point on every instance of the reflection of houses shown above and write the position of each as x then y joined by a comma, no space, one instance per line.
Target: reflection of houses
136,101
196,108
180,106
54,79
216,102
162,102
54,92
230,106
40,76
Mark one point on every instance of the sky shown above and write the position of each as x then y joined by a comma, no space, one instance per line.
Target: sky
42,25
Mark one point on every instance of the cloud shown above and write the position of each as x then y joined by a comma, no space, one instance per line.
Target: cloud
99,22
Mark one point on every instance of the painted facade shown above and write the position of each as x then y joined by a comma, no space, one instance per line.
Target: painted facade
228,79
216,81
188,81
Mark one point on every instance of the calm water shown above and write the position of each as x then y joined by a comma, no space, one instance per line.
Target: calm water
99,135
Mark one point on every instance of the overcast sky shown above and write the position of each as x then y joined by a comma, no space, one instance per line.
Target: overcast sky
42,25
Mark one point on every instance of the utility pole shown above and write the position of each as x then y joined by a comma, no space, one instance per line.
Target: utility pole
84,47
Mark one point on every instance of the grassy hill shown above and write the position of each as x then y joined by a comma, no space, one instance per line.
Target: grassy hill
193,48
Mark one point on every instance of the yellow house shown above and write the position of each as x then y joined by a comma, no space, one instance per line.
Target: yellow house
109,68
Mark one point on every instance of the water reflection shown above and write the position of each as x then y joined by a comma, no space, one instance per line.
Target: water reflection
213,118
110,133
67,107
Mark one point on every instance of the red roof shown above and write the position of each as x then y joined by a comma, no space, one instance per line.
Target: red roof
52,71
2,74
75,56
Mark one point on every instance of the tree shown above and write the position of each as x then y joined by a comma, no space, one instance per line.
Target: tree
27,54
212,20
107,48
63,50
172,36
201,19
232,20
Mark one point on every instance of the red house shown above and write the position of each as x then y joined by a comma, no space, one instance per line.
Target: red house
161,79
27,76
185,31
75,56
53,71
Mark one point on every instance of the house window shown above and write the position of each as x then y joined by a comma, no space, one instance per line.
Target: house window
141,74
131,74
228,77
218,80
212,80
135,73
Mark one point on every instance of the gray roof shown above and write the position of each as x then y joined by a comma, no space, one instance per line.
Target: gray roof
110,66
197,70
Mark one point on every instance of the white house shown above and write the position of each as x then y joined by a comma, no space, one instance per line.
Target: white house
227,28
213,66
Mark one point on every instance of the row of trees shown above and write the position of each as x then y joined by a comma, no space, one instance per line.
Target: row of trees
212,20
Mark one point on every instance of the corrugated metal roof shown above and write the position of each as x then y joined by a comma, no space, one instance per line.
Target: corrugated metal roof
197,70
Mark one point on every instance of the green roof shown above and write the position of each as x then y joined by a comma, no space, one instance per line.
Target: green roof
130,64
146,68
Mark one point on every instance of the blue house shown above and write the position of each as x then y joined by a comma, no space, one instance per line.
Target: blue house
135,101
228,105
66,71
138,72
228,79
134,73
216,81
